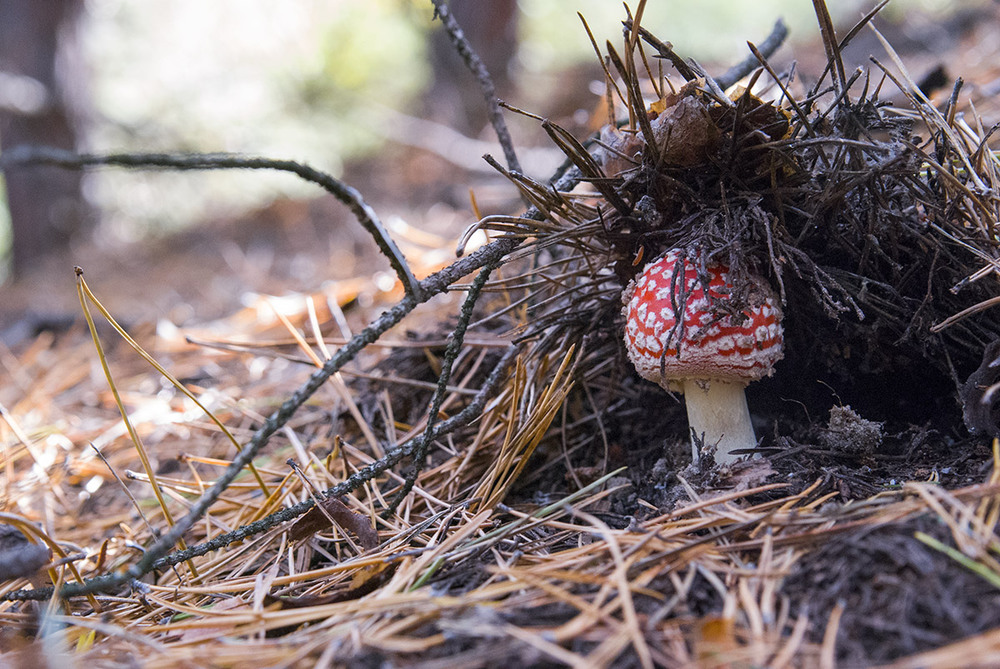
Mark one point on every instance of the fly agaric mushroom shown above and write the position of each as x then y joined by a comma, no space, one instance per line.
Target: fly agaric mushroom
676,336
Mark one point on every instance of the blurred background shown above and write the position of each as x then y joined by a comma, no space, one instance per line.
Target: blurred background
368,90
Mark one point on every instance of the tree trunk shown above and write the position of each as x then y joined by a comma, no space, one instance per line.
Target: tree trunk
39,66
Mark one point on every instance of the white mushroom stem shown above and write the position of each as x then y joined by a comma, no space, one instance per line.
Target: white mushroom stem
717,413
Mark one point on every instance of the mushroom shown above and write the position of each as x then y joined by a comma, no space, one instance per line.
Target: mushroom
705,353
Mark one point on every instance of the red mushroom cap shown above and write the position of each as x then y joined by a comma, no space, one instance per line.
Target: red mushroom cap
712,347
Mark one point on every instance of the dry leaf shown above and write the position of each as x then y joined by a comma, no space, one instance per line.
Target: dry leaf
748,474
315,520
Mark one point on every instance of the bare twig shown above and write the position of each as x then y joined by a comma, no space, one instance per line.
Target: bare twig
43,155
433,285
475,65
770,44
451,353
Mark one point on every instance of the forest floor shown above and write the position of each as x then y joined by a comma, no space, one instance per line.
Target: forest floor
537,534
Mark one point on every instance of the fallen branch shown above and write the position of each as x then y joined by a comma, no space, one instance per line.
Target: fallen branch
45,155
475,65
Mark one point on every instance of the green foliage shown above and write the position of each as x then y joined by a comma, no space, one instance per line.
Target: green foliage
376,48
372,54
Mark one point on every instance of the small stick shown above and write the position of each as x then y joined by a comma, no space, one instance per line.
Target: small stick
450,354
475,65
767,48
44,155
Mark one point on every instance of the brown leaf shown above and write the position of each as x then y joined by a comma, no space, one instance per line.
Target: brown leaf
747,474
315,520
685,133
